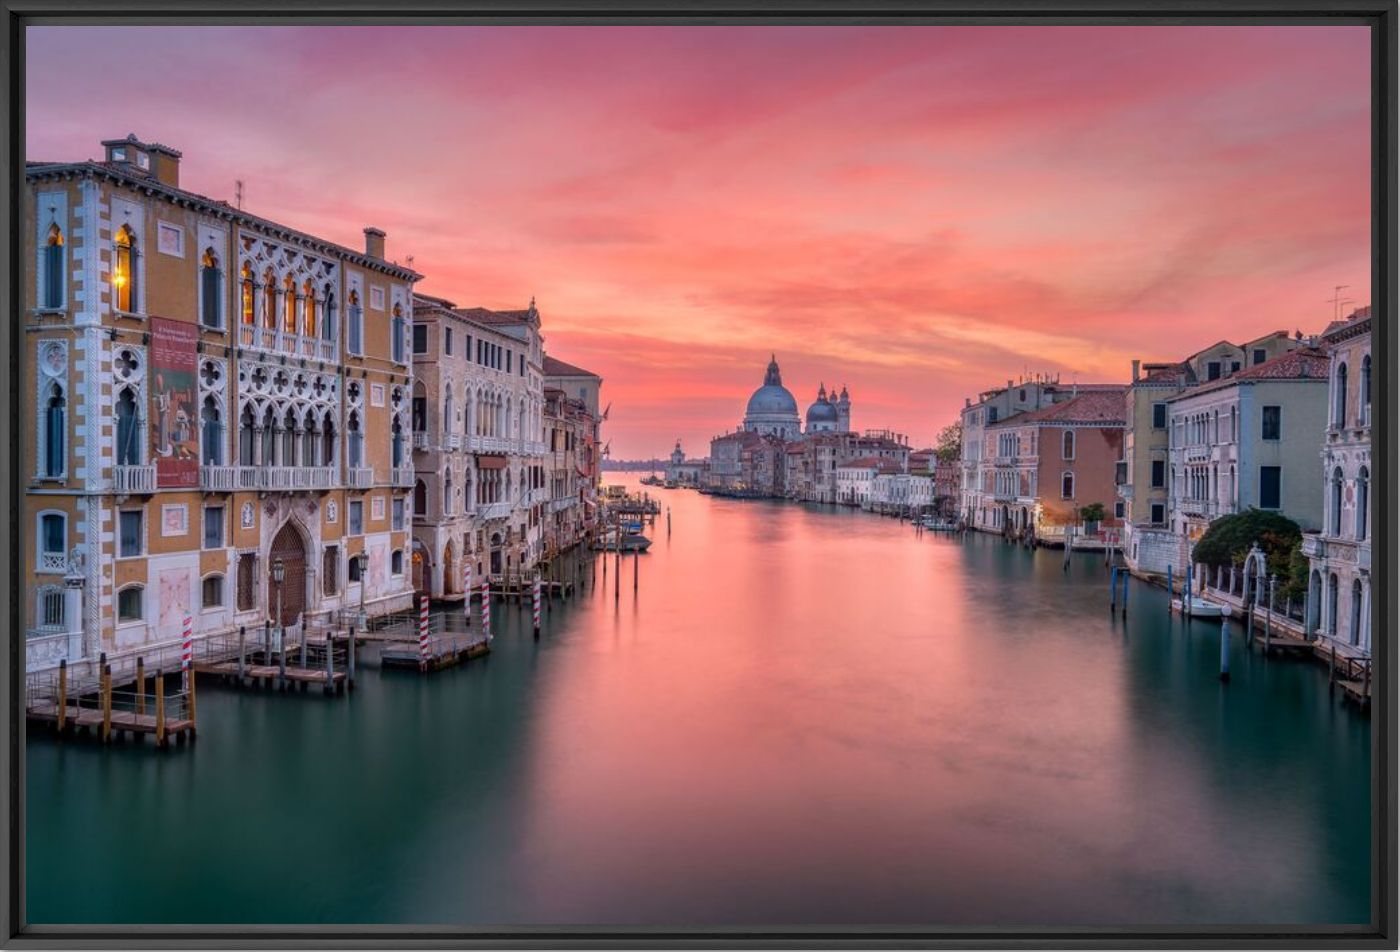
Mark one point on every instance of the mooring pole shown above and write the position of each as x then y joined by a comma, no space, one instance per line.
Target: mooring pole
1112,589
350,657
1126,576
160,708
1169,590
140,685
62,693
242,634
1224,647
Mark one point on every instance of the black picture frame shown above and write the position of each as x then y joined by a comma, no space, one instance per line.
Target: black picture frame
1380,15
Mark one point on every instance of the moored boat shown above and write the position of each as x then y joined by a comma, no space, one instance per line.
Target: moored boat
1198,608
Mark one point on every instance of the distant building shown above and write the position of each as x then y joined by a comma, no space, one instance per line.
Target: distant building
686,472
771,410
1339,588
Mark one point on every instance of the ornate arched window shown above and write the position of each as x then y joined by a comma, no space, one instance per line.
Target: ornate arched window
212,430
55,432
1339,397
55,274
1332,594
1336,508
311,442
357,439
269,300
124,270
1366,389
128,429
246,294
1354,636
328,441
246,428
328,324
1363,503
269,438
211,290
309,307
289,305
355,315
397,333
420,497
1067,448
396,442
1067,485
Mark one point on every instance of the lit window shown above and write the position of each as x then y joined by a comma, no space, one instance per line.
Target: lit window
124,270
54,277
246,294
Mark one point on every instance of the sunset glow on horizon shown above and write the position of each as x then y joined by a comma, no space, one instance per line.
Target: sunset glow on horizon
918,213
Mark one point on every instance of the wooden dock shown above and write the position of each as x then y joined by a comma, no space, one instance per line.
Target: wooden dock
121,722
94,708
444,651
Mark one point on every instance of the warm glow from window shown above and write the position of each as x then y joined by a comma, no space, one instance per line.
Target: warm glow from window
121,269
247,276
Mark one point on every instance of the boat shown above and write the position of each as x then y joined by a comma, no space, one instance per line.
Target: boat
1198,608
937,525
631,542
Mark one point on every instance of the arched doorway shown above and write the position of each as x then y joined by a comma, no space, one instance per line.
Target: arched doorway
449,570
421,575
289,546
1314,606
495,553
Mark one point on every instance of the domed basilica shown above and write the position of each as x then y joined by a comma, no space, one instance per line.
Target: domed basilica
773,411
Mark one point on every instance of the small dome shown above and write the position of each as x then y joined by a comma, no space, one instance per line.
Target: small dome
821,412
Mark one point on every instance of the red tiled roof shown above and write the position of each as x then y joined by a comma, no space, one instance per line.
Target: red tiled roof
484,315
1103,405
554,367
1301,364
865,462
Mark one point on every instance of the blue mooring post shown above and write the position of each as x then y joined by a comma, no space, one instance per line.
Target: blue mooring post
1169,589
1186,593
1224,647
1126,576
1113,588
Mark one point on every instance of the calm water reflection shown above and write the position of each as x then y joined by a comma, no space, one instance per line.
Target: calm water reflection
803,716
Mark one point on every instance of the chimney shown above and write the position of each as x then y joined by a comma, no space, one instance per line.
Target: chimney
165,165
374,243
1137,367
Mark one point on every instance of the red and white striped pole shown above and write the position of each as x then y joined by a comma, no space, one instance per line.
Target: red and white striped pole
423,632
486,608
187,653
467,587
537,606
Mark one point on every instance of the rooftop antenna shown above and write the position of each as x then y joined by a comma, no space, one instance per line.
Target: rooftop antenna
1338,301
408,262
238,194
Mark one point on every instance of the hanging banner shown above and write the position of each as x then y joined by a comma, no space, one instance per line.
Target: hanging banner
174,415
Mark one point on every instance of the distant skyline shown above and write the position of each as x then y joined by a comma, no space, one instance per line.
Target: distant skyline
917,213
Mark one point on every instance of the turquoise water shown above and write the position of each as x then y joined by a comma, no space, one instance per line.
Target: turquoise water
801,715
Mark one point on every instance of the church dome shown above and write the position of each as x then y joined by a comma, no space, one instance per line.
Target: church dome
771,399
822,411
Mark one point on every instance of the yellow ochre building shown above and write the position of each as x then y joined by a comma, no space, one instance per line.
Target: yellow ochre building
214,391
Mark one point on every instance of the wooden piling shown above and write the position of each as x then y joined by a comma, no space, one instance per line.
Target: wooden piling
330,661
282,657
242,633
636,567
62,694
1224,647
105,687
1112,589
140,685
160,708
190,676
1169,589
1126,577
350,657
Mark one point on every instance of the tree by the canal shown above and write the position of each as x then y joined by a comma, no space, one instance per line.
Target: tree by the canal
949,444
1227,542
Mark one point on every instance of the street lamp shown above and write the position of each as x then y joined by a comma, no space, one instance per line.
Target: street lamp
278,573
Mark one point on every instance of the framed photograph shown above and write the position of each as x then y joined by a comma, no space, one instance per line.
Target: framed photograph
865,476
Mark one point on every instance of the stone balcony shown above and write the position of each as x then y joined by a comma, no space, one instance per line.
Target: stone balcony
404,475
359,477
277,341
134,479
495,510
420,440
491,444
451,441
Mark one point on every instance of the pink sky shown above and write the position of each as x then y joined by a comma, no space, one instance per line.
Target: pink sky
916,212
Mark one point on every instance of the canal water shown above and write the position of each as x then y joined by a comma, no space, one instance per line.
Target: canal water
799,715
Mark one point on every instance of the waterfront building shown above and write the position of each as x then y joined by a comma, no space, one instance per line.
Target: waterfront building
216,393
977,505
1339,586
903,493
855,479
1245,440
480,491
686,472
829,414
1149,544
1044,466
571,474
583,388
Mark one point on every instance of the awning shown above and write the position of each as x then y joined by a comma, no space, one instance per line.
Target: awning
490,462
